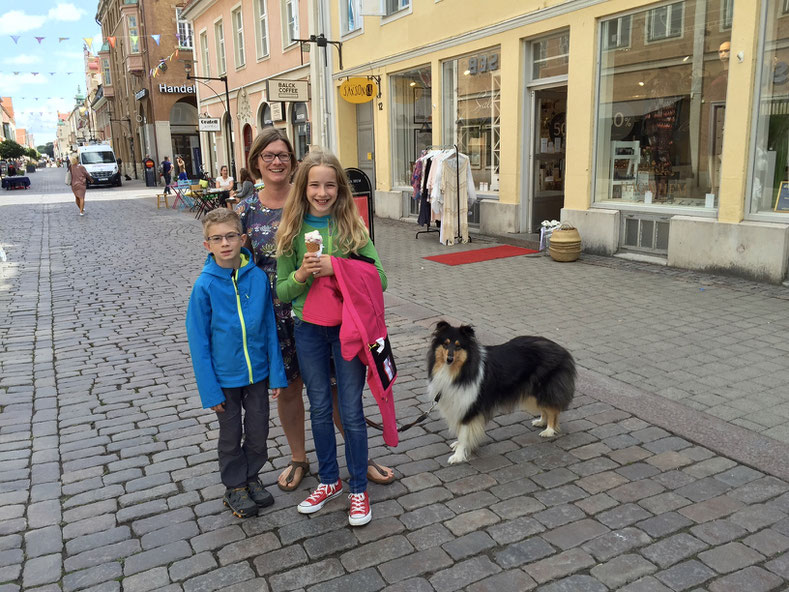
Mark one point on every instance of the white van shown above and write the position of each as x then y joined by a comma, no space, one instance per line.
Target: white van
100,162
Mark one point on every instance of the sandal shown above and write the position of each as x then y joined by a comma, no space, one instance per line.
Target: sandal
378,474
291,482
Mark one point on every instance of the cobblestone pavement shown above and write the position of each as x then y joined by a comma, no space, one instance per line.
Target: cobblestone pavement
671,473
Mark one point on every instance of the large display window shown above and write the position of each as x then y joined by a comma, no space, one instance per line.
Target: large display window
472,112
412,120
771,152
661,104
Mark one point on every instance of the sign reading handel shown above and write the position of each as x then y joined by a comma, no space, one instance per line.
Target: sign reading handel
278,89
208,124
183,89
358,90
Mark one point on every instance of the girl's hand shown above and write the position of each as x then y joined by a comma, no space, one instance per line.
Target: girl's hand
275,393
310,266
219,408
326,268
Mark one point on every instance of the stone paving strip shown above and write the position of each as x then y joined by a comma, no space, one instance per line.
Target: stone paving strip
109,480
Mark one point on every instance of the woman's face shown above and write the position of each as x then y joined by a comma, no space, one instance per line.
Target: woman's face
223,171
276,171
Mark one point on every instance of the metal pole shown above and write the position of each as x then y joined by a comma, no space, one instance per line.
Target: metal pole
230,131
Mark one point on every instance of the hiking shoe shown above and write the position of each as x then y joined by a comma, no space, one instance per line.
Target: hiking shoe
239,502
259,494
319,497
360,512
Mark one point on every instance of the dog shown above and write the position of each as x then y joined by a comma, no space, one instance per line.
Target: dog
473,382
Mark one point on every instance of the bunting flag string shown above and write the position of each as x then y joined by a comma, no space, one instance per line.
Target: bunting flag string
16,38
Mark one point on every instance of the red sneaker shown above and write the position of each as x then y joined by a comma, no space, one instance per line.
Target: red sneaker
319,497
360,512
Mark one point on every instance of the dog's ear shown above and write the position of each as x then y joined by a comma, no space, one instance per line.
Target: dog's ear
467,331
441,326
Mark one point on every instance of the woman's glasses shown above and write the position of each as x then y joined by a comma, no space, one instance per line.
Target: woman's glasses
230,237
268,157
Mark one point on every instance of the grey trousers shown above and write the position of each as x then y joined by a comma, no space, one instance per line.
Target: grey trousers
241,461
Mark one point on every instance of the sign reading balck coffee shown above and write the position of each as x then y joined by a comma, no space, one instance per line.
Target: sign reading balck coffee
182,89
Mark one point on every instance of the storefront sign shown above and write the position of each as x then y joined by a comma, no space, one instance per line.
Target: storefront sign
208,124
182,90
141,94
483,63
358,90
278,89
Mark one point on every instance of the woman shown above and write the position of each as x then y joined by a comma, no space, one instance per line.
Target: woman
225,183
247,185
272,159
79,179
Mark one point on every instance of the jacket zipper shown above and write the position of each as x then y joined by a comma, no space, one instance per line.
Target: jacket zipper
243,327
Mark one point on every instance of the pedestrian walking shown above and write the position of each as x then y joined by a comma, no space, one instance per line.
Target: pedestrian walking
166,169
272,160
182,176
232,337
79,177
320,205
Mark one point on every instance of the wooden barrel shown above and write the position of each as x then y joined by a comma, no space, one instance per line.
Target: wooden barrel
565,244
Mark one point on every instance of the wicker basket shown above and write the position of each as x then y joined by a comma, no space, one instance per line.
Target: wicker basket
565,243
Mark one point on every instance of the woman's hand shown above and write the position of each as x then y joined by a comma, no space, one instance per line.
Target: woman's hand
219,408
275,393
310,266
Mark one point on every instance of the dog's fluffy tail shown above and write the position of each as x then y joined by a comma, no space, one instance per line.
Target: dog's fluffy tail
557,382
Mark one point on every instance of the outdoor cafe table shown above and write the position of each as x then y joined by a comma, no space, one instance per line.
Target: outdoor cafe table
18,182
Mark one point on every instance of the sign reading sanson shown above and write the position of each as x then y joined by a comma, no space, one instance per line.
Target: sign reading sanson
358,90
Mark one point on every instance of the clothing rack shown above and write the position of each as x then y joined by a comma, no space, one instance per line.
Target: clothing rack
457,173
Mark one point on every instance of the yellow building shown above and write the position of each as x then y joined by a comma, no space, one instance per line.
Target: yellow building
610,114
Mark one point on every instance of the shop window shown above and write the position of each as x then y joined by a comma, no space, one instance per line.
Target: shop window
238,41
184,31
661,111
290,22
204,49
665,22
219,38
472,112
350,15
299,117
261,29
615,33
412,120
770,168
265,119
550,56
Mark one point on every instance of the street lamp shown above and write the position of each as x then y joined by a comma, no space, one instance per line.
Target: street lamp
188,69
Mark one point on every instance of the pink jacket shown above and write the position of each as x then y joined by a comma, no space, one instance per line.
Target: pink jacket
353,298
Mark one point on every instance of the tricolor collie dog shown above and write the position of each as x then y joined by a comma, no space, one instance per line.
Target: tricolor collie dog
473,382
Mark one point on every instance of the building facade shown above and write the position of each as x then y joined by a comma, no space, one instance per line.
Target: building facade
608,114
146,105
253,46
7,121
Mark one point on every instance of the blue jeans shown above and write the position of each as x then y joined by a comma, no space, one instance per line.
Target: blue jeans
315,345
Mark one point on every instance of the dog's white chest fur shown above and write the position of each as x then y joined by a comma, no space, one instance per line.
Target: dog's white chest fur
456,399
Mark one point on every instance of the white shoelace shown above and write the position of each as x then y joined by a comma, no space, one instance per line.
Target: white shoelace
357,503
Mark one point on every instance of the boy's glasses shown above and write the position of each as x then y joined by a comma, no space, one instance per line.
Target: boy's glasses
268,157
230,237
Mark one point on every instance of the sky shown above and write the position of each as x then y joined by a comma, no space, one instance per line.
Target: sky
41,58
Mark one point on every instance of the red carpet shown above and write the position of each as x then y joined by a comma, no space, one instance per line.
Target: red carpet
478,255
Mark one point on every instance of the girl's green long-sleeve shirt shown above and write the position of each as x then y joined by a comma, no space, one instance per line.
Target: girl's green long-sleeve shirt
289,289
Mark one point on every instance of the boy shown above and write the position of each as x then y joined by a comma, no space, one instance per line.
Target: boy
236,357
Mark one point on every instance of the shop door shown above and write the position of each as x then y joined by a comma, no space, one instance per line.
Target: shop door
365,140
549,133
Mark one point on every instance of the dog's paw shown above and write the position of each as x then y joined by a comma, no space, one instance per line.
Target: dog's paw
453,445
548,433
539,423
458,457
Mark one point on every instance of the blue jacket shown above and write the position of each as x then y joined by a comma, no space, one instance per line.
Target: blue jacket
232,333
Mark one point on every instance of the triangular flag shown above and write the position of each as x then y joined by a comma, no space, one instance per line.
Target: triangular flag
34,73
16,73
175,53
15,38
51,74
40,39
111,41
156,38
89,42
177,37
62,39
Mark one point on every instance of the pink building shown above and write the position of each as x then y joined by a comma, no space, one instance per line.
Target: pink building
253,44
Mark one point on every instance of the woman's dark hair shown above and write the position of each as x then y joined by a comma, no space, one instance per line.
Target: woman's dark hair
243,175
